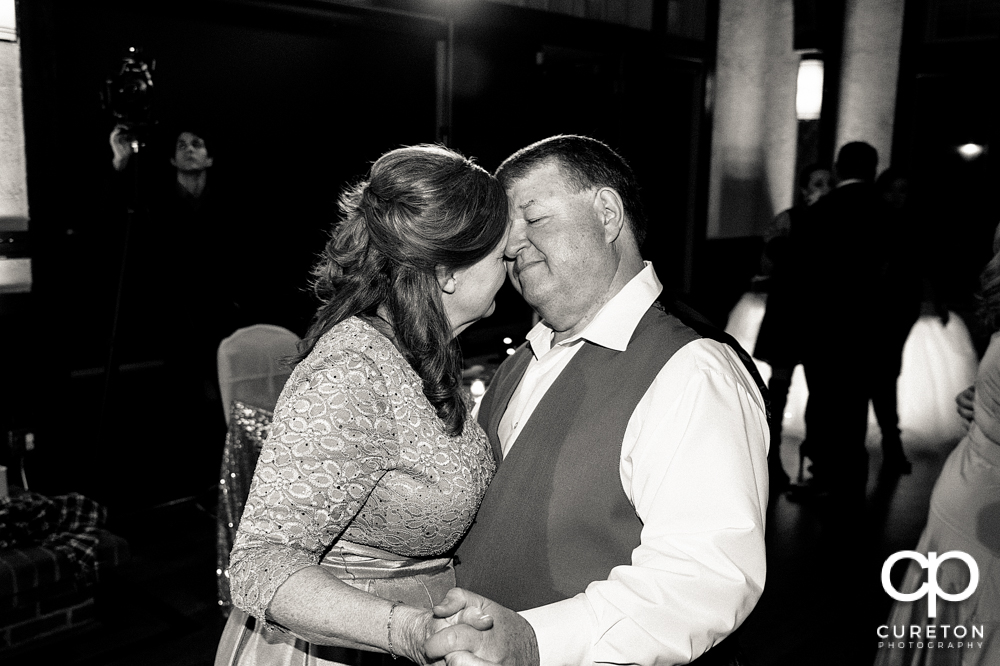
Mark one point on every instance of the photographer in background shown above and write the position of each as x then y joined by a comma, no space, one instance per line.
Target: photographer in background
185,274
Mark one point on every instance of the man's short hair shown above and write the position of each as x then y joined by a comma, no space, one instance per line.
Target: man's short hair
586,163
857,159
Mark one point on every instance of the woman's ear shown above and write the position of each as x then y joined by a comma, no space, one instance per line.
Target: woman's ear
446,278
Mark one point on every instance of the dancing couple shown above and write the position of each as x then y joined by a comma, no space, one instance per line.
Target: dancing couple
605,505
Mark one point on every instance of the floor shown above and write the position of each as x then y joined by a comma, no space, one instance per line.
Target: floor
823,600
160,609
821,605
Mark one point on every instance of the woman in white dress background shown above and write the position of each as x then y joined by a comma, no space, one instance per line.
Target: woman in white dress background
964,516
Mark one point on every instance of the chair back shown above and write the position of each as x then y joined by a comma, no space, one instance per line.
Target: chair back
251,367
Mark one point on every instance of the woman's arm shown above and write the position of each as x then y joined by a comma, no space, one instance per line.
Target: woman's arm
333,437
332,440
324,610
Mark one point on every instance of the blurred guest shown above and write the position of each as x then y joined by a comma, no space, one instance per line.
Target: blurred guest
903,288
779,335
964,516
373,468
837,257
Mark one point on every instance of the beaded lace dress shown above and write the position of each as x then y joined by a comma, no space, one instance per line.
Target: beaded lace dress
356,461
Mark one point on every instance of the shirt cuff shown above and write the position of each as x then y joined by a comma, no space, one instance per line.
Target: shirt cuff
564,631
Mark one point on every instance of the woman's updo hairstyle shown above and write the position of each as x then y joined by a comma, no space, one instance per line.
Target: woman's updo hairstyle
421,207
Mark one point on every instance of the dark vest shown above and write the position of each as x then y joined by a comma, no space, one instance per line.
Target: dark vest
555,517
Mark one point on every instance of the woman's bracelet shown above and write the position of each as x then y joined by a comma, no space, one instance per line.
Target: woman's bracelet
388,631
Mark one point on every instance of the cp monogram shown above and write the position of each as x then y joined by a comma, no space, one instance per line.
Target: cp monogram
930,588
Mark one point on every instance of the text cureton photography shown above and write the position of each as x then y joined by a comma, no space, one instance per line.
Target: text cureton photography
940,636
963,635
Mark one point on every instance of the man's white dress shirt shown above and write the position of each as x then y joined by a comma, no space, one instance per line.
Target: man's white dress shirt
694,465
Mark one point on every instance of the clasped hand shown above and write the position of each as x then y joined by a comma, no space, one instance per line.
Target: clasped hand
966,405
474,631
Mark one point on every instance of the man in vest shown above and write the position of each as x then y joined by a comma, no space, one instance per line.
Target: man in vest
625,524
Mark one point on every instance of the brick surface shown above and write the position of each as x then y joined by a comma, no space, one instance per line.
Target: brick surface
83,613
64,598
11,616
38,597
39,627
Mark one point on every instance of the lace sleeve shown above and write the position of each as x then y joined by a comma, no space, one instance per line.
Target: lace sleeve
333,437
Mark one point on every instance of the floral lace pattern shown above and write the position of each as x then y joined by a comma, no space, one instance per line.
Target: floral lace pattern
355,451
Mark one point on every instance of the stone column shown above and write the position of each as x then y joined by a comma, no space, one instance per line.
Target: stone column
873,31
754,125
13,172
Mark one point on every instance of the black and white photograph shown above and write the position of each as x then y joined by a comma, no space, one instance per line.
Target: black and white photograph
499,332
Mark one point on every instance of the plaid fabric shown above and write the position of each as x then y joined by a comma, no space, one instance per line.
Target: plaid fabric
66,524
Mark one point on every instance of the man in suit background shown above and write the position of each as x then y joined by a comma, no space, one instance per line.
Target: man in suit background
839,258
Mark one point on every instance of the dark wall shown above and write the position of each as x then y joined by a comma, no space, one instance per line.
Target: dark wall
300,98
297,104
949,94
523,76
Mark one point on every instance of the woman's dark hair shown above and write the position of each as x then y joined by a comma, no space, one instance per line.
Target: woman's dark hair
421,208
988,298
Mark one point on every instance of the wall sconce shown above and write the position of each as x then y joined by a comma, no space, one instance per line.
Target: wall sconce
809,90
8,21
15,275
971,151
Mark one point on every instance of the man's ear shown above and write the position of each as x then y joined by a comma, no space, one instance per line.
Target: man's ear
209,161
611,212
446,278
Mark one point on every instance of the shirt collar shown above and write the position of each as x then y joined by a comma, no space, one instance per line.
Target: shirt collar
613,325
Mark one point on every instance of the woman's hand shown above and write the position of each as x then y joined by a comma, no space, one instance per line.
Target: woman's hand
511,641
411,628
964,402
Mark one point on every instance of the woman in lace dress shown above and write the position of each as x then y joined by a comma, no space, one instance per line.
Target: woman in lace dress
373,469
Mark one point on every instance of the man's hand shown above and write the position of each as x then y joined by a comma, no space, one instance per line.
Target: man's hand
964,402
511,641
411,627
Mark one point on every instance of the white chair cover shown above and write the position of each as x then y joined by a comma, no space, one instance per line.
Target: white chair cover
252,373
251,367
